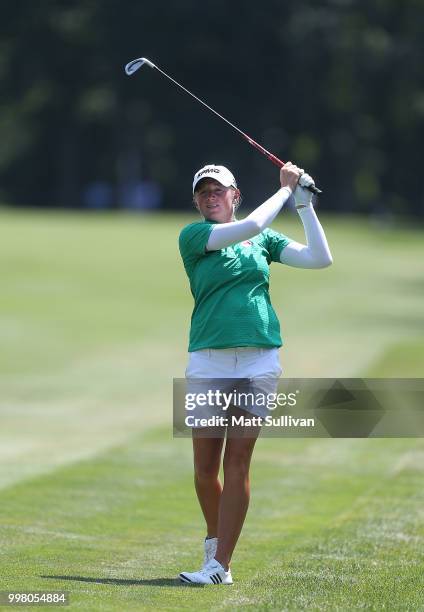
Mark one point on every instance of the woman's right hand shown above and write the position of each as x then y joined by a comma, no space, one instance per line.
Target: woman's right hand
289,175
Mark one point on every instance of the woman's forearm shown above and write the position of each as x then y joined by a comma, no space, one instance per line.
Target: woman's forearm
225,234
316,253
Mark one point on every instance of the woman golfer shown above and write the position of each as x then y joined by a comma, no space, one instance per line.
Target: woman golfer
235,332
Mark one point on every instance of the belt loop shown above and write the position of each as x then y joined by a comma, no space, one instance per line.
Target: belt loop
209,353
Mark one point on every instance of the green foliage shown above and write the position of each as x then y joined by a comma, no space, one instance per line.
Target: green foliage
335,86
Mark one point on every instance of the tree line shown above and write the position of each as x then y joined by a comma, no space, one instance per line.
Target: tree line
335,86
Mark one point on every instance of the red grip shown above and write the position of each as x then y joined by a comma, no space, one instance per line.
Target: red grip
269,155
275,160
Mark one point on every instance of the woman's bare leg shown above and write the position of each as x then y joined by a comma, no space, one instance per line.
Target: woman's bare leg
207,459
236,492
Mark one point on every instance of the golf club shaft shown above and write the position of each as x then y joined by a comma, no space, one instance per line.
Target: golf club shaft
275,160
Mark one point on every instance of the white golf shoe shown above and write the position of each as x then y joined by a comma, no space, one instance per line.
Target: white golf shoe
210,550
211,573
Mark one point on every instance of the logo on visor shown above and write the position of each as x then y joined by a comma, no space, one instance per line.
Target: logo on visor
207,171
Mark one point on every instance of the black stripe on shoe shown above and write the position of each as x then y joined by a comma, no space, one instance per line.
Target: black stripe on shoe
216,578
184,578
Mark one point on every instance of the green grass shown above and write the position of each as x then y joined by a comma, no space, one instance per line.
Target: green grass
96,497
332,525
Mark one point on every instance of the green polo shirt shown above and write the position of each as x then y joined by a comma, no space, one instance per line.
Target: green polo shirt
232,306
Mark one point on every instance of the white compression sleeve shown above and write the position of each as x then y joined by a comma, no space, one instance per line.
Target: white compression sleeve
316,254
225,234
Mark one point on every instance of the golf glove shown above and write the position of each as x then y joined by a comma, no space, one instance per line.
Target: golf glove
302,196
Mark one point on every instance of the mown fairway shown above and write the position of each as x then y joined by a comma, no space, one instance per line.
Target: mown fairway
96,497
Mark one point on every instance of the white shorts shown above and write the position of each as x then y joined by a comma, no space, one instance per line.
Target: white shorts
248,368
239,362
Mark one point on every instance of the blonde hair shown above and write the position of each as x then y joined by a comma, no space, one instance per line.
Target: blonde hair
237,201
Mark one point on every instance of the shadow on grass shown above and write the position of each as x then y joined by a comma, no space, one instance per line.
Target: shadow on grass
159,582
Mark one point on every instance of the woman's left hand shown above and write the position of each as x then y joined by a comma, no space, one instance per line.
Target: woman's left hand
302,195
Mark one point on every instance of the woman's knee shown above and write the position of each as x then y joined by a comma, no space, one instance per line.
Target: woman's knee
237,456
237,464
207,458
206,472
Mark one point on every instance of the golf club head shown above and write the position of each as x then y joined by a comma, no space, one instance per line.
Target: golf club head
134,65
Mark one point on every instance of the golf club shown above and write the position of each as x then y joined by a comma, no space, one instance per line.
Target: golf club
134,65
